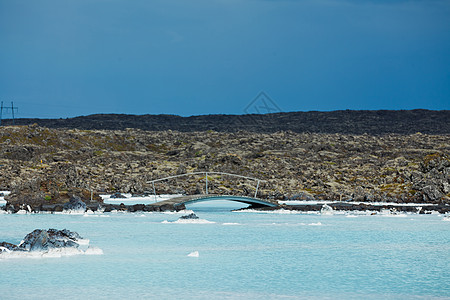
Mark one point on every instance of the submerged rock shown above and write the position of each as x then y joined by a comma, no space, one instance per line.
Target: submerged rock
191,216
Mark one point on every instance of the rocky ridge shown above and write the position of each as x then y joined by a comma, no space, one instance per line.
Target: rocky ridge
374,122
47,166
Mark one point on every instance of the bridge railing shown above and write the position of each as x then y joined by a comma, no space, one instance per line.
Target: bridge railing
206,177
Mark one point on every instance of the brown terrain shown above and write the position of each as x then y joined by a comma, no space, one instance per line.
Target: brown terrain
44,166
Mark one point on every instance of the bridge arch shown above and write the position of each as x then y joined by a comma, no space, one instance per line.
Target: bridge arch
190,199
178,202
258,181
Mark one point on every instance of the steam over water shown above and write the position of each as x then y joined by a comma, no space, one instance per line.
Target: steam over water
230,255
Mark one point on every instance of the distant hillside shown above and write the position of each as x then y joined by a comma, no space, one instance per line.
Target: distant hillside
343,121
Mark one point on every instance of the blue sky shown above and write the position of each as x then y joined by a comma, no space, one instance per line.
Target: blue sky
62,58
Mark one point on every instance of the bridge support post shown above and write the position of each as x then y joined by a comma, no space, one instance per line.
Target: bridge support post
257,186
206,183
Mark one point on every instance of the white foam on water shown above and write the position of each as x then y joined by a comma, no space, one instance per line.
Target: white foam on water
315,202
83,242
89,215
74,212
60,252
180,212
294,224
194,254
188,221
326,210
278,211
315,224
97,215
446,219
392,214
3,249
93,251
2,198
52,253
231,224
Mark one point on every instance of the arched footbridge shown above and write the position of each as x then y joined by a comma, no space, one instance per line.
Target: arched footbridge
180,202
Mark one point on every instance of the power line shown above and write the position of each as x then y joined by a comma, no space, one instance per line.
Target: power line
7,109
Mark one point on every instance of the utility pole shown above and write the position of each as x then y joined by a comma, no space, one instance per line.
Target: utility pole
6,108
12,111
206,173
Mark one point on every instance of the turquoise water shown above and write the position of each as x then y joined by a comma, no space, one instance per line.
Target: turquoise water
241,256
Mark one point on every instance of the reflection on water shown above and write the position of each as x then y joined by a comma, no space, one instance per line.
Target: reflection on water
216,206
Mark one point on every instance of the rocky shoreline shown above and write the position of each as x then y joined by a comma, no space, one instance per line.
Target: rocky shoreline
334,207
46,167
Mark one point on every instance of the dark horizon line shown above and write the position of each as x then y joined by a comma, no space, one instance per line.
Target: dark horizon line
217,114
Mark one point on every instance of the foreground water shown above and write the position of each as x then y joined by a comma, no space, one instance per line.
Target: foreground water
240,255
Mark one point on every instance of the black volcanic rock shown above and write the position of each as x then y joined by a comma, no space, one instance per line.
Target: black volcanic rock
44,240
342,121
75,203
300,166
8,246
190,216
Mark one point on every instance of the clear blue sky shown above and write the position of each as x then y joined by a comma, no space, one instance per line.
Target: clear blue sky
62,58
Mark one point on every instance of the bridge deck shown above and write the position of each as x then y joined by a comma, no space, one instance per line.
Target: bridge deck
211,197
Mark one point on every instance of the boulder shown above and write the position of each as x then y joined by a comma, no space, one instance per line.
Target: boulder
303,195
75,204
117,196
8,247
180,207
136,207
432,192
166,207
42,240
191,216
35,241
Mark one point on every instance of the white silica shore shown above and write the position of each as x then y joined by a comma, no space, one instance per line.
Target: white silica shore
129,200
2,198
189,221
314,202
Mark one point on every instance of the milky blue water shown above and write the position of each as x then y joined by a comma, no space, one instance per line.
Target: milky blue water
241,256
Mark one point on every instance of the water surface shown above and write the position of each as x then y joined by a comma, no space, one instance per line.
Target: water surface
241,255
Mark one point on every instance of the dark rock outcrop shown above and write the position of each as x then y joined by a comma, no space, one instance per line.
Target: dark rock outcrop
44,240
8,247
341,121
117,196
75,203
190,216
